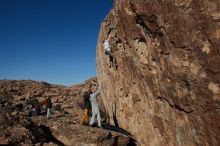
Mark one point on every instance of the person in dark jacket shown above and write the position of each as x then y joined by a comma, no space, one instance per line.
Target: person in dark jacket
86,107
48,104
34,107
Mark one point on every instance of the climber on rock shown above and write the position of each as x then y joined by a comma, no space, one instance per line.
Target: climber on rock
95,107
86,106
108,51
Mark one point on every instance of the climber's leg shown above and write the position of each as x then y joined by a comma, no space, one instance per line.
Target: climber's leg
85,116
92,120
111,58
99,118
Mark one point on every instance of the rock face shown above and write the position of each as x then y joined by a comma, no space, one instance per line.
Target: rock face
166,88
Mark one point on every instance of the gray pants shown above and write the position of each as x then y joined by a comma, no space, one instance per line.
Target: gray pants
95,112
48,112
111,57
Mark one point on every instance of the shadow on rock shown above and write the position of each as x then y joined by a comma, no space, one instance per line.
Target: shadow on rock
47,134
132,142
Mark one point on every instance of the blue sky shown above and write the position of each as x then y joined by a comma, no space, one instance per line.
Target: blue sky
50,40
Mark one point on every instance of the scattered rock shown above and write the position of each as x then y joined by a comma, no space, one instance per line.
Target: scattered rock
62,128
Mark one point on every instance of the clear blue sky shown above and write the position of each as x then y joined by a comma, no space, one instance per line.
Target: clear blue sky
50,40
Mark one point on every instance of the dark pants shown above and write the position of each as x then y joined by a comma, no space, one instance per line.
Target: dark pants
111,57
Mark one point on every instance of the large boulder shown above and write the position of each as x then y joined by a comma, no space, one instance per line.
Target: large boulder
165,89
67,131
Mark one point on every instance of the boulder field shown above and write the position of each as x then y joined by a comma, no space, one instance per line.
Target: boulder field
63,128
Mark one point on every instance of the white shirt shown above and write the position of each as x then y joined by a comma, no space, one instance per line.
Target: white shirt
106,46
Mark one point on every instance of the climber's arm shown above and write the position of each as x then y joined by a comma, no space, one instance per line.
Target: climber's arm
109,36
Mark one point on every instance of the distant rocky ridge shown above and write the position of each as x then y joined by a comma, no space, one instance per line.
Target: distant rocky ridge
16,91
166,88
63,128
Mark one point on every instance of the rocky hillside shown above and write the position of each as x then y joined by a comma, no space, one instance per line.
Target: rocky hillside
18,91
62,128
166,88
